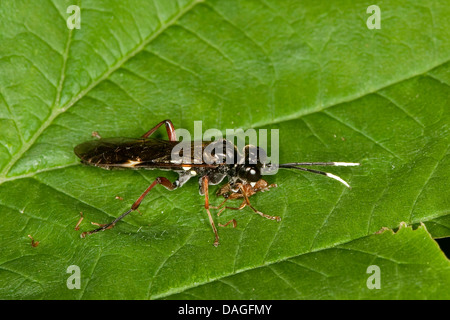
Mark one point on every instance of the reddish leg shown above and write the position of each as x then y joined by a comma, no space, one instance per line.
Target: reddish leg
205,192
246,202
160,180
169,127
233,221
220,207
242,206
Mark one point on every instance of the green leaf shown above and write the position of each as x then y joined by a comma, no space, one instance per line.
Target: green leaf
336,91
344,272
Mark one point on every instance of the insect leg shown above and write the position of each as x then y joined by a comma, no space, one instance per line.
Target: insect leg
160,180
169,127
205,181
220,207
264,215
242,206
256,211
233,221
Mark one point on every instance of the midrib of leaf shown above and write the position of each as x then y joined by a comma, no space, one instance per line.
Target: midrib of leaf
57,111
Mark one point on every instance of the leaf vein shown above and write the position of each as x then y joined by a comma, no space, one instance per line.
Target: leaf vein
81,94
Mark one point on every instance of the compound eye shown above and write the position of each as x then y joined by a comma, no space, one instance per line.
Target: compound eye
252,174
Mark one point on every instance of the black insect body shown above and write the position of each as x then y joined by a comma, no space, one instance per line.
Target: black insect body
211,162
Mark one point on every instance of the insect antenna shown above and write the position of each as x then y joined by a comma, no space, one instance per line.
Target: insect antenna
295,165
337,164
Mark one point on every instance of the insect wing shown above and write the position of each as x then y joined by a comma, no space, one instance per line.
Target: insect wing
134,153
125,152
